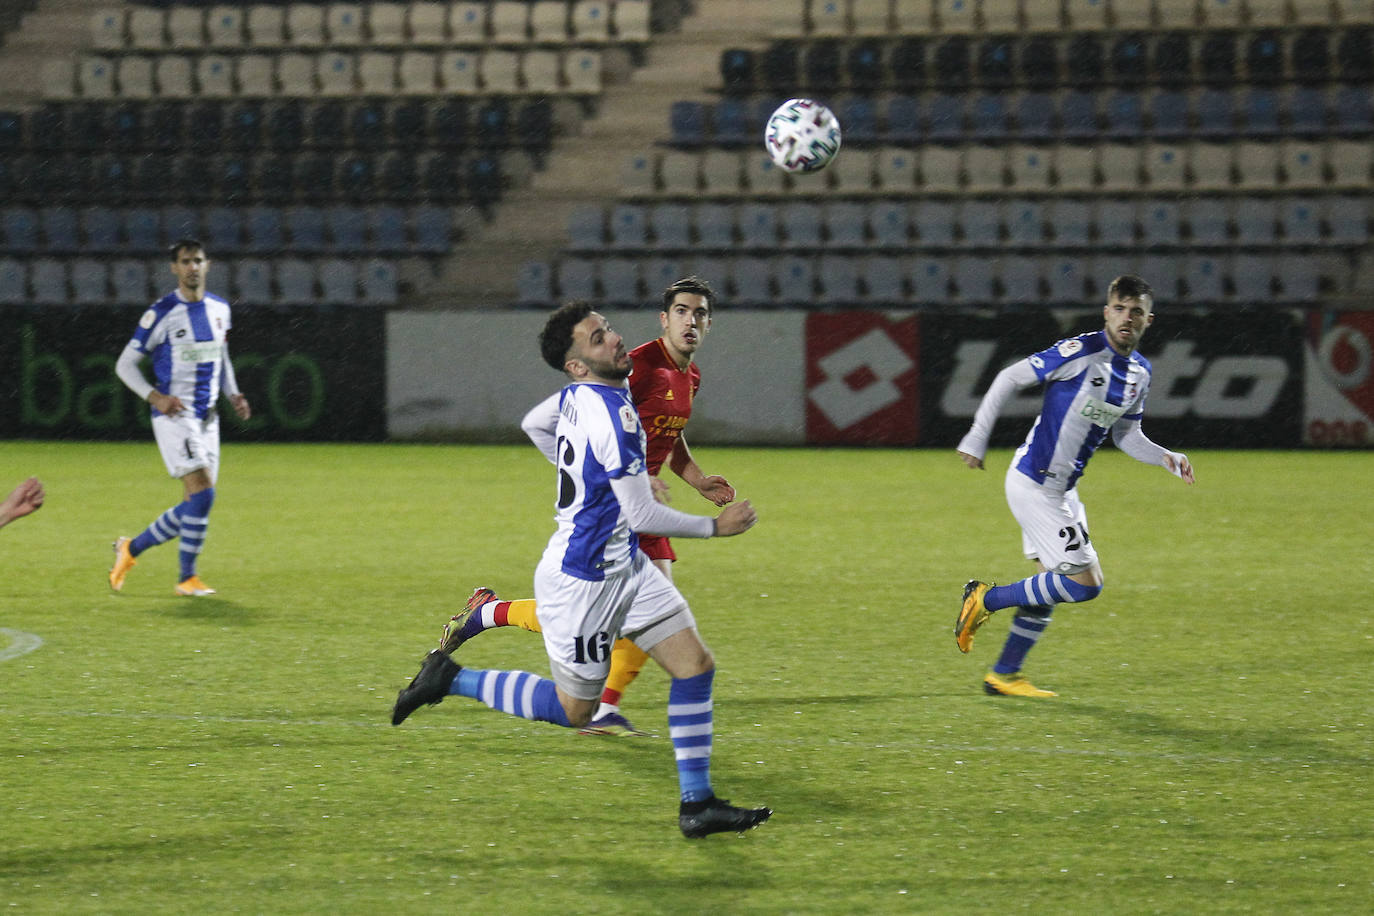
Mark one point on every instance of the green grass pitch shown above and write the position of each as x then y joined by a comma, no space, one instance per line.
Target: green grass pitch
1210,750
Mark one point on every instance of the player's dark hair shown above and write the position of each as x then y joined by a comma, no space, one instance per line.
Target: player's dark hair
1129,286
693,285
187,244
556,339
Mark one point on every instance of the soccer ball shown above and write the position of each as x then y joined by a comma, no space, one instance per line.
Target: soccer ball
802,136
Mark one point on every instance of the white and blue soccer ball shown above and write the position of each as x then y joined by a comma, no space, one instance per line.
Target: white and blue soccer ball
802,136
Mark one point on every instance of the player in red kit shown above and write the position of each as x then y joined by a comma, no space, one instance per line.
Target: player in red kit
663,384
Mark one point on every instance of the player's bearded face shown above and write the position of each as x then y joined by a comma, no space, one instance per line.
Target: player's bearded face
601,349
1127,320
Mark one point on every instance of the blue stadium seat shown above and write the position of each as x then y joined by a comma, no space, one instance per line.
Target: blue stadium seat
889,223
733,122
20,229
904,119
884,280
620,281
1024,220
687,122
945,118
576,278
800,223
1256,220
629,226
934,223
1216,114
347,228
758,225
1071,222
845,223
930,280
534,283
432,228
1260,112
671,225
715,226
857,115
305,225
1125,115
988,117
1035,116
838,279
59,229
143,230
1078,115
1300,220
1351,111
338,279
981,223
1160,223
387,229
14,281
1169,114
795,279
264,231
224,230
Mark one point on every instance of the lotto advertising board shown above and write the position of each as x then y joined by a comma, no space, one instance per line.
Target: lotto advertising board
310,375
1339,376
1228,380
862,378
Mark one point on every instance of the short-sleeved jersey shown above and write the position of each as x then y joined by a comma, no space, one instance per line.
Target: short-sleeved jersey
185,341
663,393
599,439
1088,388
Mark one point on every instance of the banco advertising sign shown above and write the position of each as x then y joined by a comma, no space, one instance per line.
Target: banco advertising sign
1229,380
310,374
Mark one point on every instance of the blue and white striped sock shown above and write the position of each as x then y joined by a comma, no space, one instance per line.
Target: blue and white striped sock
195,519
1041,590
166,527
519,693
690,725
1026,630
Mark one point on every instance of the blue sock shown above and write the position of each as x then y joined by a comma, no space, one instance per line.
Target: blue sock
195,518
1026,630
1040,590
166,527
690,725
516,692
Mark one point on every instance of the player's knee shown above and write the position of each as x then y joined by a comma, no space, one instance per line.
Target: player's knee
1078,592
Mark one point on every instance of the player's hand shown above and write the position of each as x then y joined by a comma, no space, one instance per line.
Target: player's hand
25,498
659,486
975,463
717,489
736,519
241,407
1178,464
166,403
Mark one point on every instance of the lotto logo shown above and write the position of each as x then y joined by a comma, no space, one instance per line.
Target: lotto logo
861,379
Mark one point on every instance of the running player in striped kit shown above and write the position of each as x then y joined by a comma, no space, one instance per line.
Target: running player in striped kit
594,584
1094,383
185,335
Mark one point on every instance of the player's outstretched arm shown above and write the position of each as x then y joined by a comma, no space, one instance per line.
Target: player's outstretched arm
23,500
714,487
736,519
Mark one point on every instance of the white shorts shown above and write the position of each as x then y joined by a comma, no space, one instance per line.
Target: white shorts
581,619
188,443
1054,527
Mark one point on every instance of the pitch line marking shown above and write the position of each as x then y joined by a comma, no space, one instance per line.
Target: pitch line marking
21,643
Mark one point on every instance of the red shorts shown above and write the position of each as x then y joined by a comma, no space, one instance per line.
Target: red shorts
656,547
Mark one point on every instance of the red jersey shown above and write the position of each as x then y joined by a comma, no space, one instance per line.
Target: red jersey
663,395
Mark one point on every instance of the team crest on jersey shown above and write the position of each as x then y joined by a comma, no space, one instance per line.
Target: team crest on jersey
147,320
628,418
1069,347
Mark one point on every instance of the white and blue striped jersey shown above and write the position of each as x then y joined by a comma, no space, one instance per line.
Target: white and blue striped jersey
598,439
186,344
1089,388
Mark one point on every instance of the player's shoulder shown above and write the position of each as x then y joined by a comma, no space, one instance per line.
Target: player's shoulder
218,302
646,349
158,311
1068,349
1143,361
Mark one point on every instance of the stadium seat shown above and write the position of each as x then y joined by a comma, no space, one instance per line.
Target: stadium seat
884,279
296,75
591,21
1264,57
1221,14
757,225
58,226
386,24
343,24
940,169
620,280
1203,276
1070,222
1346,219
387,229
1351,111
715,226
763,176
251,282
1129,60
336,73
576,279
582,70
1169,114
305,25
1160,223
1172,59
338,281
465,24
129,282
1259,113
147,29
631,20
845,223
821,65
799,223
661,271
305,227
377,74
894,170
295,281
934,222
980,222
888,222
795,278
95,77
90,282
1084,61
266,26
1035,116
416,73
1309,56
1064,280
985,167
930,280
720,171
1211,166
1355,56
48,282
1301,164
671,226
1078,117
1208,222
432,229
1024,221
1119,166
837,277
679,173
971,280
1165,167
750,277
134,77
1125,115
347,228
1217,57
988,117
253,75
1300,220
20,229
628,224
142,230
1116,223
458,72
1299,278
1350,164
952,68
534,283
14,281
539,71
1252,278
